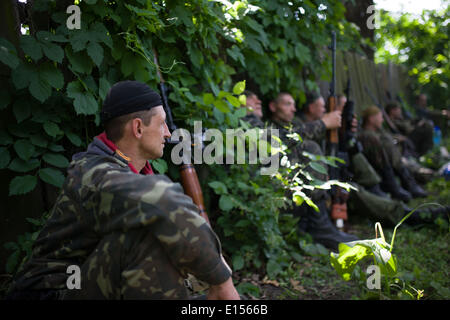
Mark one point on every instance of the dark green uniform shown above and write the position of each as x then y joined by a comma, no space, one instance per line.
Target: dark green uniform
133,236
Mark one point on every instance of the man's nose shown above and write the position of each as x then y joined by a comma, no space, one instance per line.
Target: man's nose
166,131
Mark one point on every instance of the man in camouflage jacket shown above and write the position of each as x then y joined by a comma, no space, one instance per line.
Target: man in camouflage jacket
133,234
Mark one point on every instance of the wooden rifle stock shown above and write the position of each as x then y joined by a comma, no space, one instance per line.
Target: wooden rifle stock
189,178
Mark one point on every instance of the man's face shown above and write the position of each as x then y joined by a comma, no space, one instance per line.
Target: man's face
317,108
377,120
396,113
284,108
254,104
422,100
154,135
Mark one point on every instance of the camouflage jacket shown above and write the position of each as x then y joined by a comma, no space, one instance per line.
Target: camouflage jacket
254,120
311,130
100,196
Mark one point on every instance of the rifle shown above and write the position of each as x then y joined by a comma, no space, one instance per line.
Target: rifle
339,195
391,125
189,178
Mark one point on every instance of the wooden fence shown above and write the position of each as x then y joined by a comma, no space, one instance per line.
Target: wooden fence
380,79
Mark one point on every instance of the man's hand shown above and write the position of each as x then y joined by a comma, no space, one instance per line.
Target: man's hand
223,291
332,120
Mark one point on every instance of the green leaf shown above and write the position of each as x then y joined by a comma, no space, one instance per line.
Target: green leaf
12,262
273,268
234,101
221,106
104,87
19,165
160,165
52,176
318,167
51,75
21,109
57,160
225,203
31,47
39,140
208,98
22,75
79,61
8,54
53,51
238,262
52,129
40,89
22,185
218,187
239,88
84,102
95,51
24,149
4,157
75,139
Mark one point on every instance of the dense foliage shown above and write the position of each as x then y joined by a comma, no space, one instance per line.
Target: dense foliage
422,45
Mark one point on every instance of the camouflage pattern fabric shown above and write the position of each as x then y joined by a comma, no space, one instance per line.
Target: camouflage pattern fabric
133,236
378,209
379,149
310,130
420,133
254,121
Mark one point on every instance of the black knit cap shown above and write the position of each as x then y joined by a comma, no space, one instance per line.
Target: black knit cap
126,97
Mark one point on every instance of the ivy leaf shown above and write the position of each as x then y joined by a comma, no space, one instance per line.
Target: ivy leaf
104,87
8,54
57,160
19,165
51,128
75,139
218,187
24,149
4,157
31,47
95,51
21,109
221,106
84,102
318,167
22,185
51,75
53,51
40,89
239,87
225,203
52,176
160,165
238,262
22,75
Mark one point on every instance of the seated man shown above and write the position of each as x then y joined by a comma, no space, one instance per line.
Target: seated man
254,110
133,234
317,224
420,132
385,158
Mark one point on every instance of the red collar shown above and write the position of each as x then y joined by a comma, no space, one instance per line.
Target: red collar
147,168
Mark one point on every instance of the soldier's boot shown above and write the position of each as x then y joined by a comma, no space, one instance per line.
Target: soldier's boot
410,184
389,184
376,189
322,229
428,215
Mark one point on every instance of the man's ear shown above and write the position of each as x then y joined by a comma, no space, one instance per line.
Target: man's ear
272,107
136,127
